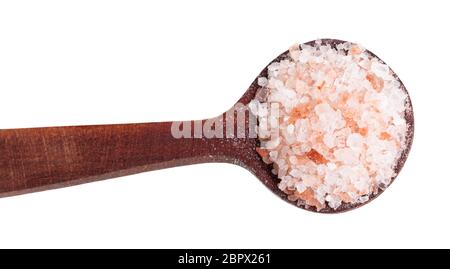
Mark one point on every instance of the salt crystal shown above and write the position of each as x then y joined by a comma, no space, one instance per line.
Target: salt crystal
346,155
380,70
323,108
253,106
305,148
262,81
290,129
355,141
293,159
300,187
333,201
363,199
310,180
295,173
329,140
305,99
331,166
271,144
273,155
331,178
274,67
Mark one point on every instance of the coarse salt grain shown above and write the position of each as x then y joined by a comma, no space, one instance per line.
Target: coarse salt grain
341,122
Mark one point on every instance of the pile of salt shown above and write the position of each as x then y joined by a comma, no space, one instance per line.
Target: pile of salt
339,128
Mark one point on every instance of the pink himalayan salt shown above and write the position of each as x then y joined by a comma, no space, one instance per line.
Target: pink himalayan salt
340,122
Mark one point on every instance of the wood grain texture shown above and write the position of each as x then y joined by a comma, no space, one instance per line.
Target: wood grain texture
44,158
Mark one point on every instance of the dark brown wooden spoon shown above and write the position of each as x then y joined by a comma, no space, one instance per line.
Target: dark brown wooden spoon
37,159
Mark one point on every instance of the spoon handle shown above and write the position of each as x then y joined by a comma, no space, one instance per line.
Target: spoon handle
45,158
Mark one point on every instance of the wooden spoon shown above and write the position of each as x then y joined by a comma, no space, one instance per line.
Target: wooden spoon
37,159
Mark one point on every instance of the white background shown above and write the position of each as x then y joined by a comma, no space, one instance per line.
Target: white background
99,62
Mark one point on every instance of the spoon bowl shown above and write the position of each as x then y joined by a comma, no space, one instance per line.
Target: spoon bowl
264,171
